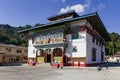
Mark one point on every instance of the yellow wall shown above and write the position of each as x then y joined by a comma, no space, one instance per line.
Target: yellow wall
1,57
59,59
40,59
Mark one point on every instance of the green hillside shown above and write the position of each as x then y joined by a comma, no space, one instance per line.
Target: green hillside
9,35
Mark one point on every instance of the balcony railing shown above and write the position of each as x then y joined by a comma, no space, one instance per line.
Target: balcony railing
57,42
49,41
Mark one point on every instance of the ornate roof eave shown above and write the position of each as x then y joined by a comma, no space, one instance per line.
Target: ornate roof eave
56,22
93,18
53,45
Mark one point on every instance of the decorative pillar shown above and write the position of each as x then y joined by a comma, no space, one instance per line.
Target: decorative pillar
44,54
37,53
52,56
3,60
63,57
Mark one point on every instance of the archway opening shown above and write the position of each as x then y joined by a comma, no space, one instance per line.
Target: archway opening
57,55
48,55
48,58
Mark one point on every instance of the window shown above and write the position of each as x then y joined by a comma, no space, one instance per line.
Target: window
26,51
93,39
74,49
93,54
99,44
40,53
61,33
102,56
57,52
96,42
74,33
8,49
18,51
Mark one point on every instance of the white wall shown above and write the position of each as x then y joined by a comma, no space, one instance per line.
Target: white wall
80,44
90,45
31,49
81,48
69,46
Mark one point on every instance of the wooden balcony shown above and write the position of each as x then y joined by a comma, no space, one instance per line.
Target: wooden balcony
53,40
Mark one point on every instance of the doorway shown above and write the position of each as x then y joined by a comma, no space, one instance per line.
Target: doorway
48,58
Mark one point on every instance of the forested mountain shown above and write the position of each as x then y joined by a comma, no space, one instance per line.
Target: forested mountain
9,35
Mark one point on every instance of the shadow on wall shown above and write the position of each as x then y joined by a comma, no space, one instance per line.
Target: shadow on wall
113,64
11,64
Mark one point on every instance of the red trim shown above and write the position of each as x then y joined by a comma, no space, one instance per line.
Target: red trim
61,65
82,28
52,56
63,58
93,64
68,63
82,65
32,64
76,64
55,65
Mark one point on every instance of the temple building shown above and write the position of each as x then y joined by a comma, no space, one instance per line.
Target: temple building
69,39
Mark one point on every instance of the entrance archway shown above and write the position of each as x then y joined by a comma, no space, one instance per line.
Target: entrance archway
48,58
48,55
40,55
57,55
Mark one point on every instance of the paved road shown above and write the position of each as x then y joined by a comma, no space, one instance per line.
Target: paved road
45,72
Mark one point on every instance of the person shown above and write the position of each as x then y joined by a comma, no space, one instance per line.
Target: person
53,61
107,67
99,68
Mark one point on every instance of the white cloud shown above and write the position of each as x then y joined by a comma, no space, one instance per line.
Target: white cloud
101,6
79,8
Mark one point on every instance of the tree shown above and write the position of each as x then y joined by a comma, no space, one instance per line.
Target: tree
9,35
114,45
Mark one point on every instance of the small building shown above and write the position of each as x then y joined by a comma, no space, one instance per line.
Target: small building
13,54
117,56
69,39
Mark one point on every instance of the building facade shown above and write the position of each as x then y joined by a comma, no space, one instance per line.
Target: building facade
13,54
69,39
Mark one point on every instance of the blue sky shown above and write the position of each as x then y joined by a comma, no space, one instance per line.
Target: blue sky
22,12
